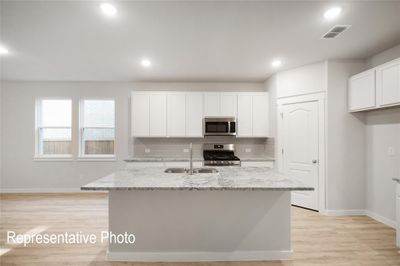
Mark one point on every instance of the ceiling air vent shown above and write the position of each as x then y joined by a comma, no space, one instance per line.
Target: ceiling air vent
335,31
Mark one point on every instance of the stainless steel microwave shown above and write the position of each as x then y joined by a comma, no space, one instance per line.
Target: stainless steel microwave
219,126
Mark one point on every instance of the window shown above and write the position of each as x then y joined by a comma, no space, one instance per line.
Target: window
53,127
97,131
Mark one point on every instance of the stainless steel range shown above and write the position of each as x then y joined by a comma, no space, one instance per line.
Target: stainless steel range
220,154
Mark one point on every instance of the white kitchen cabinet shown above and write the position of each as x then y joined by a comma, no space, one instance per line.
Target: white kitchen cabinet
253,118
228,104
148,115
388,84
158,116
140,114
361,91
220,104
212,105
194,115
260,115
245,115
176,109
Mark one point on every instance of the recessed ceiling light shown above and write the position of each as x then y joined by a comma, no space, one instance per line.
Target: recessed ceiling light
145,62
276,63
108,9
332,13
3,50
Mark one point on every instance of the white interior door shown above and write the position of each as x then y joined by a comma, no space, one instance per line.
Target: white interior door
300,150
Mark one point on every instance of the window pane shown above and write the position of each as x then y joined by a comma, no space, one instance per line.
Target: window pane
98,113
98,140
55,141
55,113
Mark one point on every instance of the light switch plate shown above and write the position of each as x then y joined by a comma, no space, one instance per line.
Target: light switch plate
247,150
185,150
147,150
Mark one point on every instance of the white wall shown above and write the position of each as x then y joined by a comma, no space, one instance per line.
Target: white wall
345,141
302,80
384,56
345,171
20,172
382,132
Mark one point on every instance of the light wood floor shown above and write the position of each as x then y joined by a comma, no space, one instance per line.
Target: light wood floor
317,240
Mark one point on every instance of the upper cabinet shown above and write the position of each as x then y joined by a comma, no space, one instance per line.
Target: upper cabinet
253,115
149,114
220,104
194,114
375,88
361,93
388,84
180,114
169,114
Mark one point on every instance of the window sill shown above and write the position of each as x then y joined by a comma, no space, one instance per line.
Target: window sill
100,158
52,158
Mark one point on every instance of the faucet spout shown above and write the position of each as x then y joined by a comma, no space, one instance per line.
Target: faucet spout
191,158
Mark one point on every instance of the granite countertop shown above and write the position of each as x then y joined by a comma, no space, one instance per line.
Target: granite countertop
228,178
184,159
161,159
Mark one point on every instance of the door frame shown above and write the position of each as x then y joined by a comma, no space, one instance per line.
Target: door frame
320,98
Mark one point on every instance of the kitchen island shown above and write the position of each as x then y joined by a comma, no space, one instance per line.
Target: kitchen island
239,213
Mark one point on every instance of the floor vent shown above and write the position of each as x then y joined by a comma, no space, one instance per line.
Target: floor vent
335,31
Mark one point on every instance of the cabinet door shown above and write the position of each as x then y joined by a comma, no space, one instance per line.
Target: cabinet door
176,115
245,110
212,104
388,83
228,102
194,115
260,115
361,91
140,107
158,117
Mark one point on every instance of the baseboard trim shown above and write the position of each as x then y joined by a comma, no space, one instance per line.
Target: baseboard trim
45,190
381,219
343,212
199,256
370,214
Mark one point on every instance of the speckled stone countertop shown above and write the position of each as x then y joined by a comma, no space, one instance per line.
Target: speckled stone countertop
160,159
181,159
227,178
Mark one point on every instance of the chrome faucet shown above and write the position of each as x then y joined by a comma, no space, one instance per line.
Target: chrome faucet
191,159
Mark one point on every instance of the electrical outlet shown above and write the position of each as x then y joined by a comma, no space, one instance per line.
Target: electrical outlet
247,150
185,150
391,151
147,150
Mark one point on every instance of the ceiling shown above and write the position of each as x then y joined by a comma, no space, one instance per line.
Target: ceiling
185,40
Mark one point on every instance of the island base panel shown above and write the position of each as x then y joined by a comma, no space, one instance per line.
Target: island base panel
200,225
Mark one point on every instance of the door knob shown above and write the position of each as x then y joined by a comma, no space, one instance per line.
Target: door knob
314,161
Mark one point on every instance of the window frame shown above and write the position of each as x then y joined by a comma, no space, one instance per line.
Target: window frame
38,150
81,153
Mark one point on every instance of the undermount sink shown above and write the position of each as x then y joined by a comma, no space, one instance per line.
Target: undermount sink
176,170
205,170
195,170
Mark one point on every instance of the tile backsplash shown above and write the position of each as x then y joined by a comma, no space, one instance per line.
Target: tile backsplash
178,147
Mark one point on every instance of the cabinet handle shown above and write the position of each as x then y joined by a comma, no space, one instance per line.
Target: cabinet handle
314,161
